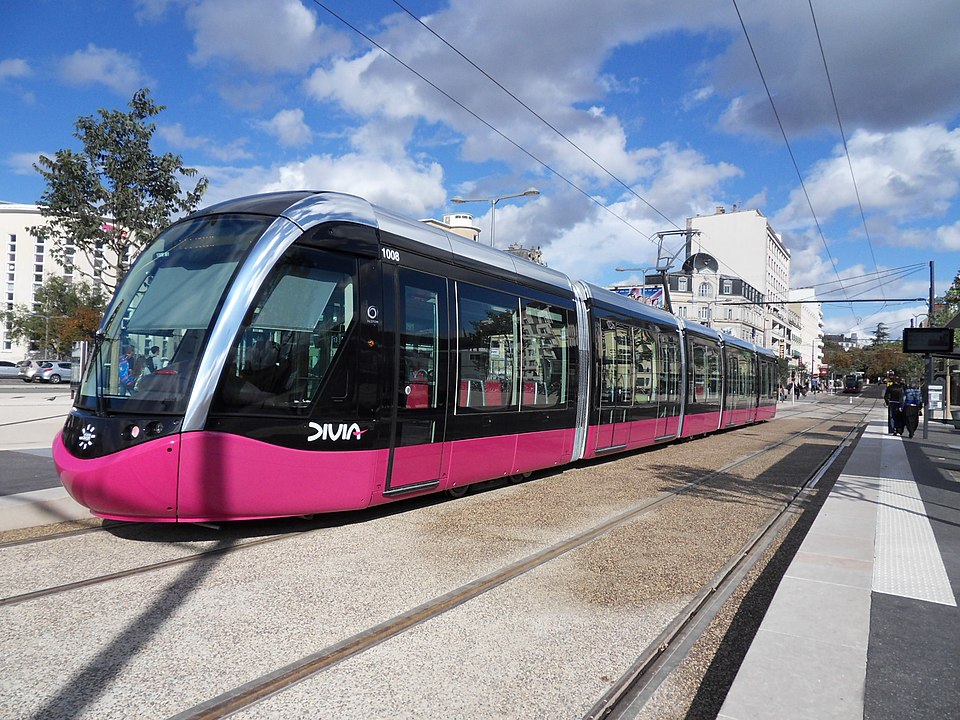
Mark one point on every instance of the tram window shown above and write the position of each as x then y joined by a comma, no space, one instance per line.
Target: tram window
668,369
617,364
644,342
489,333
294,331
705,373
545,356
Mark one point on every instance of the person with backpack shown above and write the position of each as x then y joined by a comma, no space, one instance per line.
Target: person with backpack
911,407
892,397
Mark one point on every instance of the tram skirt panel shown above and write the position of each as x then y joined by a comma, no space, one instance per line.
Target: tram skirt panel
231,477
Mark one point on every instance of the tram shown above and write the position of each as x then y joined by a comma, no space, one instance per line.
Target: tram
317,353
853,383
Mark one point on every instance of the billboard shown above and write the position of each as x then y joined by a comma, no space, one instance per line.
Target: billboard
649,294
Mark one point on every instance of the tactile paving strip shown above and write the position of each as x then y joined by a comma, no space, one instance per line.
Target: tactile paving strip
908,561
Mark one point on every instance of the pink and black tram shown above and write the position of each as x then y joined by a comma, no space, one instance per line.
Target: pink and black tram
318,353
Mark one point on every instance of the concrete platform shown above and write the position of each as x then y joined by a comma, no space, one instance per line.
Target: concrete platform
865,622
30,492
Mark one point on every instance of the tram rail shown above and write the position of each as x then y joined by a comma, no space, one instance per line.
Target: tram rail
632,690
253,692
807,436
232,546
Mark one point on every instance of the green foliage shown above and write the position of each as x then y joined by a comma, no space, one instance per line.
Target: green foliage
875,361
880,335
62,313
115,194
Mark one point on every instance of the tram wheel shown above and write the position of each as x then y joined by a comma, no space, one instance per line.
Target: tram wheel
519,477
459,491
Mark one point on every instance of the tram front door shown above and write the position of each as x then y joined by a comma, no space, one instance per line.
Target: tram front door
420,379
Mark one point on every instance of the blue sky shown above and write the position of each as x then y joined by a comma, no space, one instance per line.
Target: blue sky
663,100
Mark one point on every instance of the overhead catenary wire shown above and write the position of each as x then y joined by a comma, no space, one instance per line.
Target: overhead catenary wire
843,137
537,115
873,280
793,159
548,124
485,122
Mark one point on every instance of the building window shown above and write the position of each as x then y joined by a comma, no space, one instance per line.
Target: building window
728,287
706,290
682,284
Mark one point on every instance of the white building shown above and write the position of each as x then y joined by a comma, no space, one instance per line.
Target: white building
26,263
746,246
458,223
736,278
809,344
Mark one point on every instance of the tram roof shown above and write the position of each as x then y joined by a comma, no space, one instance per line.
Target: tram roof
309,208
632,307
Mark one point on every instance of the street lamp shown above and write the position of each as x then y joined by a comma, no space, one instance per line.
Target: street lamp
530,192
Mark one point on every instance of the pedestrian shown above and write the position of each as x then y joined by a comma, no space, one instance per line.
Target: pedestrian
152,360
912,407
125,371
892,397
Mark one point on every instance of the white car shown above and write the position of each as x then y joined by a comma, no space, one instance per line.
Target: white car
51,371
9,369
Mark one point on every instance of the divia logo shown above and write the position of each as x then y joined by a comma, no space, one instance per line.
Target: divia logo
331,431
87,436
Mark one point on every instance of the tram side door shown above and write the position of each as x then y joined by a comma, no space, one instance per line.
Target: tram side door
668,385
616,384
421,338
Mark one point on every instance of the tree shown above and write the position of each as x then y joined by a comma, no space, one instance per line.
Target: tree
63,312
114,195
880,335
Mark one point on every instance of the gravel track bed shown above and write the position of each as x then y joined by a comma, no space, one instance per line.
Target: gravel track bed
658,560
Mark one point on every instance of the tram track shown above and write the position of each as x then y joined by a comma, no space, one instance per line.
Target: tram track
236,546
535,544
276,682
635,687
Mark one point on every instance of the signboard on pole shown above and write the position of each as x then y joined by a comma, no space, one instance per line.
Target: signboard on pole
935,397
927,340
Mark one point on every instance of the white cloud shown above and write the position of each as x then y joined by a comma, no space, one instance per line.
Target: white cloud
265,38
891,64
14,68
176,136
22,163
407,187
94,65
289,128
908,174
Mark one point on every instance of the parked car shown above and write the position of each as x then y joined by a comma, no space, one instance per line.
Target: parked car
9,369
52,371
28,369
55,372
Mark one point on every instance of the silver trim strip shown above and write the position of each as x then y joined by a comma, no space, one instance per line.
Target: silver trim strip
264,255
403,489
585,373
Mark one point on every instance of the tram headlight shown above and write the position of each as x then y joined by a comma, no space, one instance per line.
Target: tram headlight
132,432
155,428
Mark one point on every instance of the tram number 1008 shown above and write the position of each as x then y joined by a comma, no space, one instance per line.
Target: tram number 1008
389,254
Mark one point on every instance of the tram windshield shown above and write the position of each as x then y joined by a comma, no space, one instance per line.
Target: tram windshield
159,320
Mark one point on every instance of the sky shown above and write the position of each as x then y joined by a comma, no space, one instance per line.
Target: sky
629,116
